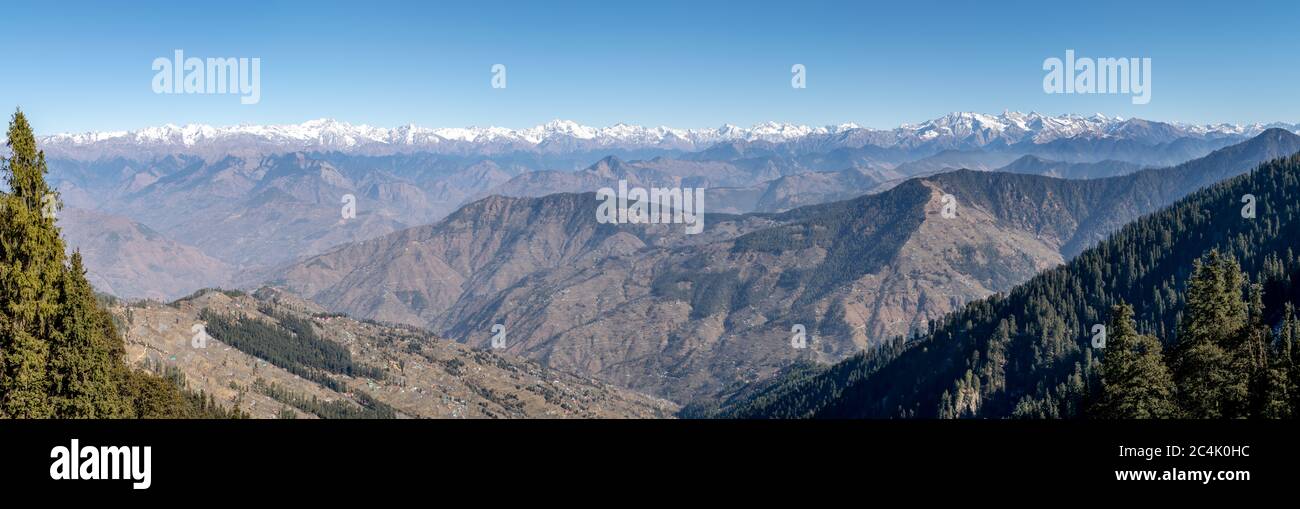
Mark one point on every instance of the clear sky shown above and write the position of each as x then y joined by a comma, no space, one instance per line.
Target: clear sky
77,66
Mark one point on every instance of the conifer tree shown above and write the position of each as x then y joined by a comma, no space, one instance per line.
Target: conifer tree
31,268
1277,389
1287,354
1135,382
1208,336
1252,356
23,383
86,355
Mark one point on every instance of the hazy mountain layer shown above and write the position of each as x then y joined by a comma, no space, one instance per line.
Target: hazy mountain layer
130,260
685,317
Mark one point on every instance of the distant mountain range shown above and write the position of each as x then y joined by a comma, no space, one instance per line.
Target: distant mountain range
956,130
251,198
682,317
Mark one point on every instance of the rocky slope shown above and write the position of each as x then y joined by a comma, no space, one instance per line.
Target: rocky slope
416,375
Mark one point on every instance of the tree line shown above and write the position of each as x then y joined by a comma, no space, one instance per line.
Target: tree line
367,408
289,342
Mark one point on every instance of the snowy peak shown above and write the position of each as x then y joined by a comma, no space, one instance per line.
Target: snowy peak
334,134
954,129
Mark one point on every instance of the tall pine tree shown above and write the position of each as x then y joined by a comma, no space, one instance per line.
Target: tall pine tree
1207,367
31,269
86,354
1135,382
1283,398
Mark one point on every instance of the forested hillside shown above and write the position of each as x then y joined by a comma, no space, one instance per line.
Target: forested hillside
1213,284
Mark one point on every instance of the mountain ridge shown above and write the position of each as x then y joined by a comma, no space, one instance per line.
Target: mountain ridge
1026,352
854,272
972,129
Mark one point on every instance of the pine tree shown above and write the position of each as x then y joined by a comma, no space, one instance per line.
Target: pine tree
31,268
1276,398
1208,335
86,354
1287,355
1135,382
23,384
155,397
1252,357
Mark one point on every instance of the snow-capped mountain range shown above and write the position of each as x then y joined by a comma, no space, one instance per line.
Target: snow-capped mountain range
333,134
962,129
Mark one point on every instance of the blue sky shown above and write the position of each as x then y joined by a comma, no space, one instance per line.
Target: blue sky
77,66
